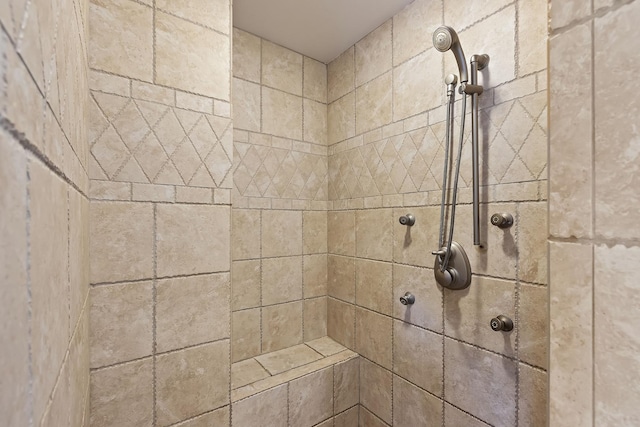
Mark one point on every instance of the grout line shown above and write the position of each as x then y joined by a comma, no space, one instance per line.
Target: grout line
593,222
154,345
31,397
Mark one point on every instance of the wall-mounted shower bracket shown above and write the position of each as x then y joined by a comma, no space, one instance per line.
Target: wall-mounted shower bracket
457,274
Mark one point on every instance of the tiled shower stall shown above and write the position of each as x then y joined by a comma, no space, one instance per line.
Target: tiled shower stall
200,227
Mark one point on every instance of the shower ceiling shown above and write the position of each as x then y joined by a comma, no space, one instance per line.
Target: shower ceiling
320,29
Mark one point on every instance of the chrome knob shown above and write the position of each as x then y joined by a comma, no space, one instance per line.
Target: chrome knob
502,220
407,299
407,220
501,323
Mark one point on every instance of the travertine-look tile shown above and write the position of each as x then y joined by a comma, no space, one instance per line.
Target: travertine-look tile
565,12
192,310
314,275
532,36
123,395
325,346
368,419
375,389
341,237
288,358
247,100
570,119
417,76
281,280
246,372
412,243
219,417
455,417
463,14
533,326
616,341
315,80
341,118
374,286
570,341
417,356
532,397
373,336
373,54
532,244
245,284
121,244
346,384
413,28
374,234
473,378
281,68
212,14
311,398
58,409
413,406
121,323
281,113
347,418
266,409
79,374
426,312
192,381
315,318
246,56
341,322
245,231
281,233
245,334
78,254
467,314
341,279
616,169
121,38
315,122
314,232
192,239
341,75
184,59
374,103
281,326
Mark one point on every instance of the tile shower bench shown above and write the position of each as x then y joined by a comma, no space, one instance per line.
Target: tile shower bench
311,384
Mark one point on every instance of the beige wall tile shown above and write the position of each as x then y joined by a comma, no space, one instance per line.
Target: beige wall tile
58,409
341,75
565,12
121,323
347,418
374,336
246,233
375,390
78,254
281,280
426,312
192,310
373,54
472,379
532,396
413,28
121,244
281,326
341,282
533,325
192,239
14,330
410,244
121,38
314,232
467,314
212,14
417,356
616,345
246,56
571,339
123,395
315,318
346,384
245,334
192,381
616,177
465,13
315,122
374,234
281,113
247,102
570,118
245,284
368,419
246,372
281,68
325,346
183,57
374,103
79,374
268,408
341,238
413,406
455,417
417,75
311,398
341,119
291,357
315,80
374,286
341,322
314,275
219,417
281,233
532,245
532,36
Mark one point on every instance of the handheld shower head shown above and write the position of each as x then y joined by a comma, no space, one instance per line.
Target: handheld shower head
445,38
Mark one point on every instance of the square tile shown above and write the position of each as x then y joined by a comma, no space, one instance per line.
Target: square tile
246,372
341,238
315,318
341,282
341,75
211,14
311,398
373,54
245,284
281,68
281,113
281,280
375,389
374,234
289,358
417,356
341,322
314,232
314,275
281,326
266,409
246,226
281,233
426,312
325,346
374,336
346,384
413,406
245,334
374,286
246,56
315,80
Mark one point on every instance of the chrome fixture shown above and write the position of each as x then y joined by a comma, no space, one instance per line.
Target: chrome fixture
501,323
407,220
502,220
445,38
407,299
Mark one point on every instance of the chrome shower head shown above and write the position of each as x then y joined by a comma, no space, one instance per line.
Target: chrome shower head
445,38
